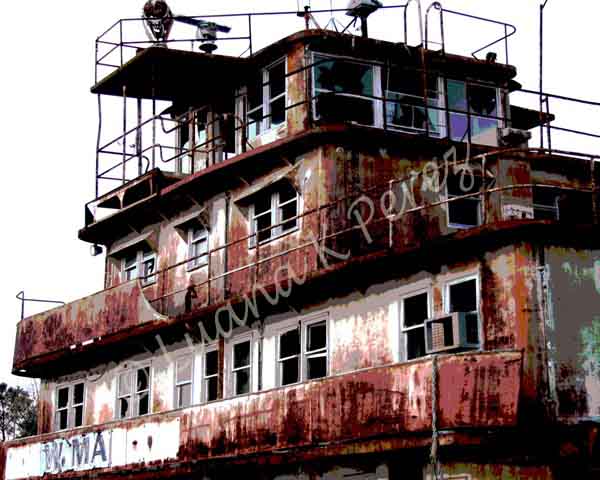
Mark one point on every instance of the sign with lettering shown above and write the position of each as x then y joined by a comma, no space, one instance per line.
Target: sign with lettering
90,450
77,451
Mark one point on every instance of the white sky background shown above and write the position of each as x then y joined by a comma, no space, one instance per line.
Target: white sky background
49,117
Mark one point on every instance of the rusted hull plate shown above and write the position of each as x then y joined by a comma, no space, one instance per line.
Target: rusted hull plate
67,327
474,390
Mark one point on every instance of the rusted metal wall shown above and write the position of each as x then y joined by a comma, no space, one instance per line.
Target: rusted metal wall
491,471
387,400
64,328
573,328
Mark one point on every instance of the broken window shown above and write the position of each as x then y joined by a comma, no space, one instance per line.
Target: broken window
465,211
545,204
415,310
197,246
482,105
266,100
210,380
274,212
183,381
289,357
405,106
69,406
241,368
344,90
133,393
463,297
295,363
139,264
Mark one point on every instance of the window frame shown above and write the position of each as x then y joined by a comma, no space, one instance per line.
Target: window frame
204,390
468,114
376,99
275,216
302,325
134,394
403,328
71,405
462,279
472,198
232,370
265,124
141,257
195,260
178,385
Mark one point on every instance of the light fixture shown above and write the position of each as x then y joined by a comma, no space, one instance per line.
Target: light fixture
95,250
362,9
158,20
491,57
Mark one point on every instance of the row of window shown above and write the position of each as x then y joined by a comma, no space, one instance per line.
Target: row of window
302,354
274,213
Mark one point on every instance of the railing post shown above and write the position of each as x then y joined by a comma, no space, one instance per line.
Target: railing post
121,41
124,139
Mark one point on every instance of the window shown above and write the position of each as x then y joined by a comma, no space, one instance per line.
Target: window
464,212
139,264
133,392
405,106
296,363
197,121
242,367
210,377
545,204
183,381
462,296
197,246
344,90
480,101
273,212
415,310
69,406
267,100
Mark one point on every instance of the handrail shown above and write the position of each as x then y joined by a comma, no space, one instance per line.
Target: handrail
21,296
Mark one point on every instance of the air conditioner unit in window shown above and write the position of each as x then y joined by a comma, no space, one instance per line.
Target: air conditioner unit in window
453,331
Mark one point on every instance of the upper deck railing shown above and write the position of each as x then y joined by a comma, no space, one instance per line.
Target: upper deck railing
120,42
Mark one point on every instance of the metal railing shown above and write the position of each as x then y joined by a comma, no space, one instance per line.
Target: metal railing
21,296
383,226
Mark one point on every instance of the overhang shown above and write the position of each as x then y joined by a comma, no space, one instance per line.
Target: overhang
169,74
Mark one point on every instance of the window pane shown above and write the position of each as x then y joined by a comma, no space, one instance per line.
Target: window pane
211,363
290,371
184,395
184,370
483,100
263,224
416,310
148,268
78,393
262,203
464,212
277,79
278,112
472,327
143,379
78,420
124,384
143,404
480,125
464,183
457,95
316,338
316,367
241,354
242,381
254,123
255,93
289,343
344,77
458,127
63,397
286,192
62,420
415,343
289,211
463,296
124,407
212,389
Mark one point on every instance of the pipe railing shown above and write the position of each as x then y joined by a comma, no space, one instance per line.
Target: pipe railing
21,296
